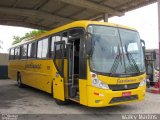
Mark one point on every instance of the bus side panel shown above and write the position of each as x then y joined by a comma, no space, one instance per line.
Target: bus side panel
66,78
83,91
12,69
83,83
58,83
39,74
21,68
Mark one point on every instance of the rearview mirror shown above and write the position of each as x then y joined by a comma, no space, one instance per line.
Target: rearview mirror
143,46
88,43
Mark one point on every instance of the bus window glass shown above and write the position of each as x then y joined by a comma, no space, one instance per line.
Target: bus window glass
45,48
15,50
17,53
39,49
11,57
59,57
32,50
75,32
29,50
52,46
24,52
105,51
42,51
132,47
65,37
58,37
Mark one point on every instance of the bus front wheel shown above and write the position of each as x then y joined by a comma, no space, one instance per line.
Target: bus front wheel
60,102
19,81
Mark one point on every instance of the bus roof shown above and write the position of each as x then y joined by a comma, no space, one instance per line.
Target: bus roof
81,23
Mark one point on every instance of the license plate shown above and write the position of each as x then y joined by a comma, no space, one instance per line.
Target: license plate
124,94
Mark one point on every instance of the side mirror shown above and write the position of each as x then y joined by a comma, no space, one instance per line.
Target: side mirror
143,46
88,43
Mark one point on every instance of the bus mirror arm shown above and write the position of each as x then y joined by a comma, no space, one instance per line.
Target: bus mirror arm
143,46
88,43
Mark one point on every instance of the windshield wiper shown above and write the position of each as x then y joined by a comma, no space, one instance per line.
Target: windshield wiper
134,62
116,63
131,59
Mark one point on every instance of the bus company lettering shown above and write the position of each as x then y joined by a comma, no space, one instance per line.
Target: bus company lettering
34,66
125,81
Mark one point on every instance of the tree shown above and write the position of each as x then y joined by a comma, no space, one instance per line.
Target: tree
18,39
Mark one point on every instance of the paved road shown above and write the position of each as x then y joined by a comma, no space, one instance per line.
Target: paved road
28,100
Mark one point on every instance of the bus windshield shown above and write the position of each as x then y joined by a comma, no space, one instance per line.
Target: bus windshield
116,51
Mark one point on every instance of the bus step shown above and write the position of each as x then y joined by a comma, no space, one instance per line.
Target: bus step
77,93
69,84
77,97
70,80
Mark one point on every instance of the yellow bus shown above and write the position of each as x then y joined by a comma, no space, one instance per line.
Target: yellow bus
93,63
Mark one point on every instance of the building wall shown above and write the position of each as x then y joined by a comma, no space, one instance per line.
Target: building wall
4,65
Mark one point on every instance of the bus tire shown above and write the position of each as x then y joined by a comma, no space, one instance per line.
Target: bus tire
19,81
60,102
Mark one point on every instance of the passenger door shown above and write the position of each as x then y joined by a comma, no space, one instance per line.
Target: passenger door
58,83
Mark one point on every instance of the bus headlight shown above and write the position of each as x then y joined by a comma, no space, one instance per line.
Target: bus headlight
143,82
99,84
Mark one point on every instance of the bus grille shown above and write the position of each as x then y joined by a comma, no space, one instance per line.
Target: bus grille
123,99
123,87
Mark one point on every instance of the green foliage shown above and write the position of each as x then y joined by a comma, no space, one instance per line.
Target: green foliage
18,39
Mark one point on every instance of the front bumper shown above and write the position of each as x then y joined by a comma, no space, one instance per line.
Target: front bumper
101,98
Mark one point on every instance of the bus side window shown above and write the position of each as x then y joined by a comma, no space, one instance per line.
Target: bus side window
42,50
65,37
77,32
54,39
29,50
58,37
17,53
45,48
33,50
10,54
23,52
11,57
39,49
52,46
58,58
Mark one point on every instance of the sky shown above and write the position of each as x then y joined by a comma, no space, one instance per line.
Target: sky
145,20
7,33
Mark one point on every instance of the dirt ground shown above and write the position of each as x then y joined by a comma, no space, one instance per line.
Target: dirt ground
14,100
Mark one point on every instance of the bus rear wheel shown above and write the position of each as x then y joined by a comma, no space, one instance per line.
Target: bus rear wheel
19,81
